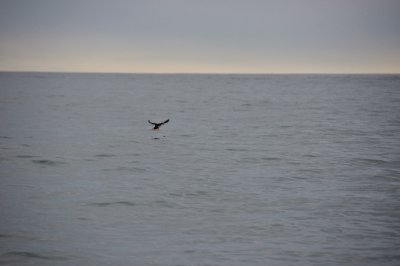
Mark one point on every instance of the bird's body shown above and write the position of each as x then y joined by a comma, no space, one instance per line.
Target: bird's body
158,125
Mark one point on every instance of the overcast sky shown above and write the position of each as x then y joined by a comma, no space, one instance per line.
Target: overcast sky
206,36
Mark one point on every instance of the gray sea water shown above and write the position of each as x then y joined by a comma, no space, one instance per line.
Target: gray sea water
251,169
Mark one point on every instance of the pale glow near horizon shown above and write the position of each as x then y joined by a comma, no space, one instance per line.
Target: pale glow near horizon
287,36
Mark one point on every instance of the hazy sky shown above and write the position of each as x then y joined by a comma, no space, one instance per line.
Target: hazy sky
207,36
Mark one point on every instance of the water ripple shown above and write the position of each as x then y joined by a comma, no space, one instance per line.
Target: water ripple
32,255
105,204
104,155
48,162
23,156
129,169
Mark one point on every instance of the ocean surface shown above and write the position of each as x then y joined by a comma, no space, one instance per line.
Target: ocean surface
273,170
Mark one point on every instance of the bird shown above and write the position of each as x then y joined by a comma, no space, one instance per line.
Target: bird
158,125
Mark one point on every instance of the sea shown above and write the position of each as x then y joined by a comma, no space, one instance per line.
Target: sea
257,170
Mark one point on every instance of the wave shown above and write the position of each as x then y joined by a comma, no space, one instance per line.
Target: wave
159,203
104,155
48,162
32,255
123,203
128,169
23,156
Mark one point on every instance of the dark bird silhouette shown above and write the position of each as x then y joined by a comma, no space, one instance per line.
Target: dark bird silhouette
158,125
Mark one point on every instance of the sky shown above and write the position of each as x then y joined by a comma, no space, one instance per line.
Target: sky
208,36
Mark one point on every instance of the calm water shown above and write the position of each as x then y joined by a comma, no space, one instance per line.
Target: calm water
250,170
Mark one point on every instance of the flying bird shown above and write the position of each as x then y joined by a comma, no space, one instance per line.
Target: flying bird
158,125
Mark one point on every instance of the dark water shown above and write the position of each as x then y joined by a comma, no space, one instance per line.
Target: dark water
251,169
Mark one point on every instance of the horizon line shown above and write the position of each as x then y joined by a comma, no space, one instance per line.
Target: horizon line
200,73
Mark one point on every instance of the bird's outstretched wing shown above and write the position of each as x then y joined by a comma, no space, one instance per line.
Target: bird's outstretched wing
151,122
166,121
